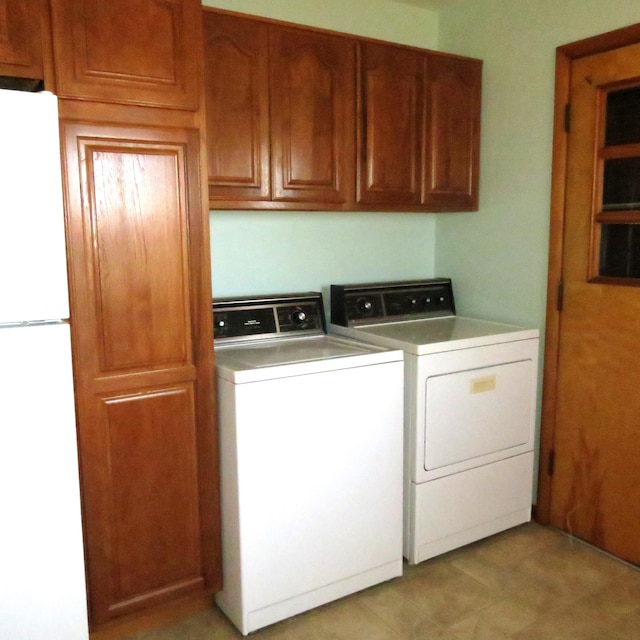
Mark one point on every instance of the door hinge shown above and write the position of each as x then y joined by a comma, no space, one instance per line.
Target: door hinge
552,462
567,117
560,298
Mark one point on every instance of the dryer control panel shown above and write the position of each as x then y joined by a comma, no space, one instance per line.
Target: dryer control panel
358,304
238,319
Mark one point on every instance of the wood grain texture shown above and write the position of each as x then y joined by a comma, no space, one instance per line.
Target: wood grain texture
153,478
317,120
140,314
451,145
389,126
554,277
141,274
128,51
312,114
595,488
237,107
21,38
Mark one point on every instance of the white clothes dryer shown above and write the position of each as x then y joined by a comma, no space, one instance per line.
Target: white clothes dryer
469,409
311,459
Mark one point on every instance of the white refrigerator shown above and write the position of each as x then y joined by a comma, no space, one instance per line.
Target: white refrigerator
42,579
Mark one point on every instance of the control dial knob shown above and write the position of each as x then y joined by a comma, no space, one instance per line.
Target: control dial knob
298,317
219,326
364,305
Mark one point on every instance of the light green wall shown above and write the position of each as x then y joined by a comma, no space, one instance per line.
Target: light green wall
256,253
498,256
384,19
506,241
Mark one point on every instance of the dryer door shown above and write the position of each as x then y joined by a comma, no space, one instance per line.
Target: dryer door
473,413
479,406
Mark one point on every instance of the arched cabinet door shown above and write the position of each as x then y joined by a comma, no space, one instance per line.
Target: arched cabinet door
451,151
389,126
312,116
143,351
128,51
236,90
280,106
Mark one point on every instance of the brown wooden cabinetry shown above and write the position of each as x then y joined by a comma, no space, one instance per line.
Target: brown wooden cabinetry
419,134
22,32
140,311
128,51
451,152
299,118
140,299
312,115
237,107
280,111
390,127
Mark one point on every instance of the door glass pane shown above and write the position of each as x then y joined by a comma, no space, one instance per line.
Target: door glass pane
623,122
621,184
617,219
620,251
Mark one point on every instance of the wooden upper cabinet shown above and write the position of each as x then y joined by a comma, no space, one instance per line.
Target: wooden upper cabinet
21,52
299,118
128,51
280,108
237,107
312,116
389,127
451,152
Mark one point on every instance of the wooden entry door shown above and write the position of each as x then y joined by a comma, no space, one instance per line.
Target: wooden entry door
590,455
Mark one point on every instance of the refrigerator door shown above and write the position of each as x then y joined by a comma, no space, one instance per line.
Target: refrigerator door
33,285
42,581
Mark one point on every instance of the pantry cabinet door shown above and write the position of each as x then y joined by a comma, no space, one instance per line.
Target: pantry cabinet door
389,127
128,51
451,159
312,116
237,107
143,354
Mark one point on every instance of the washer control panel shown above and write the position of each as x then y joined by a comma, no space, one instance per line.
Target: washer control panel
386,302
237,319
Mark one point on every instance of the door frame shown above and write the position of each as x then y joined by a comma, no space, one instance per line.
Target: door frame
565,55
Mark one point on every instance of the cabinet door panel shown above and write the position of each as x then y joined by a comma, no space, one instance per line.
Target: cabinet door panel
389,126
147,494
20,44
141,275
452,133
128,51
312,115
142,344
237,107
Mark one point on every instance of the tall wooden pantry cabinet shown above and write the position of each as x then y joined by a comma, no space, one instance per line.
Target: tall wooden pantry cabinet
128,74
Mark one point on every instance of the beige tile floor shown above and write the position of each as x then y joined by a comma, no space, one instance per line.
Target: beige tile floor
527,583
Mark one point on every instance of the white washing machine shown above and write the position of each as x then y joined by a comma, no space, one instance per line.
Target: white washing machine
470,404
311,459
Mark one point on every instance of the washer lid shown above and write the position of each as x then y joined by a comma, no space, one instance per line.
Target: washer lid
266,359
435,335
